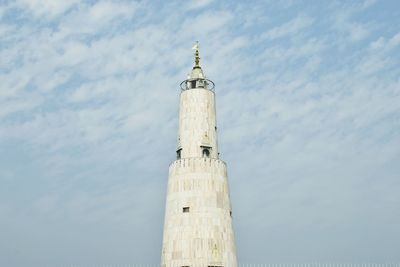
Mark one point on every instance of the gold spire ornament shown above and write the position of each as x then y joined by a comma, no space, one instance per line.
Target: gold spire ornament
196,55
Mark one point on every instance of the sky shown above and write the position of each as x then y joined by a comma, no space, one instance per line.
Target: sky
308,110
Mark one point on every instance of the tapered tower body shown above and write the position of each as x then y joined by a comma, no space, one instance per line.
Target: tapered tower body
198,216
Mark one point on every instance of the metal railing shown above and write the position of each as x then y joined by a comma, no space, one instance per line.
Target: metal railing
197,83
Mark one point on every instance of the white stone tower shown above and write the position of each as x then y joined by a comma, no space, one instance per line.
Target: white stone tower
198,217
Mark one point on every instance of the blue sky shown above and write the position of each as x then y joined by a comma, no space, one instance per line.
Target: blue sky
308,107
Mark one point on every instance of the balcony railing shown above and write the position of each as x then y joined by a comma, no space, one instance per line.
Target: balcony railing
197,83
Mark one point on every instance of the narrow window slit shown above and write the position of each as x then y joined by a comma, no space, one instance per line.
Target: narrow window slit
206,152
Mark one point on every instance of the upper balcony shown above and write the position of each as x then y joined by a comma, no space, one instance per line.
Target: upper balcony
195,83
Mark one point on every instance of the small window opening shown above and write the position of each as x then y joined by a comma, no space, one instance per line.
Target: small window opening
230,213
178,153
201,84
185,209
192,84
206,152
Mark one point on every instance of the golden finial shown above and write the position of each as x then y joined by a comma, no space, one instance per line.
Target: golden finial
196,55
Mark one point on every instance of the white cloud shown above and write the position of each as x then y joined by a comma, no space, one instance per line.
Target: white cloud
196,4
344,22
105,11
5,29
357,31
377,58
90,19
202,25
394,41
369,3
46,8
292,27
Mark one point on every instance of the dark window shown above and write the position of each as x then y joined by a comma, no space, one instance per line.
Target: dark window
230,213
200,84
193,84
178,153
185,209
206,152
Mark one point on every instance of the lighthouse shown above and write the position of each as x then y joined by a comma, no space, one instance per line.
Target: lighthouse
198,228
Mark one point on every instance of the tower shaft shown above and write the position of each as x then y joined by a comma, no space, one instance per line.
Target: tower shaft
198,216
197,124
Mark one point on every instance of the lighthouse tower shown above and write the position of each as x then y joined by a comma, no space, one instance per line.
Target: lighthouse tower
198,216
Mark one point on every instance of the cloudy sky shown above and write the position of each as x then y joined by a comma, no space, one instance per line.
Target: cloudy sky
308,107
